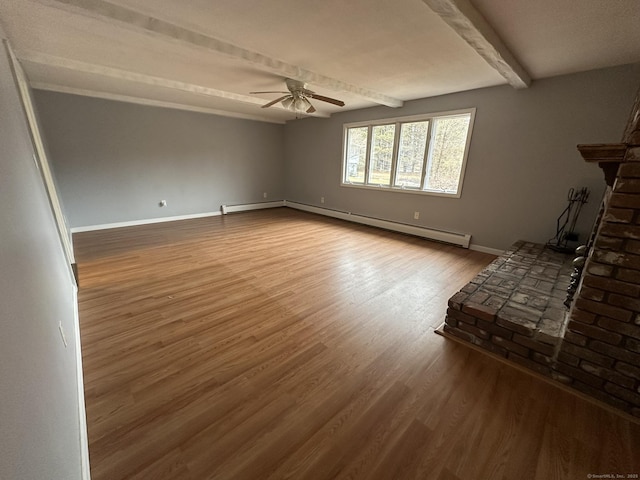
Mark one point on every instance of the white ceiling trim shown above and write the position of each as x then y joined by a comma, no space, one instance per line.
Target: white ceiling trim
147,102
107,11
104,71
467,22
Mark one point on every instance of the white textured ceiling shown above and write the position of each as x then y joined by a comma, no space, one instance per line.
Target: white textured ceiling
555,37
208,55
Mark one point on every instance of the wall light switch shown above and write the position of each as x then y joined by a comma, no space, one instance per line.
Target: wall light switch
416,215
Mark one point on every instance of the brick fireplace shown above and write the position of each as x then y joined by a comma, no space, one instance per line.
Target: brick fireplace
515,307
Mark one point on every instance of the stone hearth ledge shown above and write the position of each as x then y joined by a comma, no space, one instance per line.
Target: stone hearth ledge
514,307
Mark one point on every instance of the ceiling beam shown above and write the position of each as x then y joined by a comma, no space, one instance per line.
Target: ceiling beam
104,71
148,102
101,70
116,73
119,74
110,12
469,24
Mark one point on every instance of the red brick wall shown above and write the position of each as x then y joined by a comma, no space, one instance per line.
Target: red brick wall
600,354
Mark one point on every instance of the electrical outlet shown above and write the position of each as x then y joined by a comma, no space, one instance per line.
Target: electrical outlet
321,199
416,215
264,195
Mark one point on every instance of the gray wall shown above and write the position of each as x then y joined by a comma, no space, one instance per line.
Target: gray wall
522,159
39,410
115,161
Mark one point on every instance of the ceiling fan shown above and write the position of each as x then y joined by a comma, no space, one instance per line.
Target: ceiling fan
297,98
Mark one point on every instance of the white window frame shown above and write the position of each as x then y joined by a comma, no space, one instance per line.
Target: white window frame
427,164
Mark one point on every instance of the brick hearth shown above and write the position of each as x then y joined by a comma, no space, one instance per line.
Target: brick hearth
514,307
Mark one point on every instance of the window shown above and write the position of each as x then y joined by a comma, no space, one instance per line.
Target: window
423,154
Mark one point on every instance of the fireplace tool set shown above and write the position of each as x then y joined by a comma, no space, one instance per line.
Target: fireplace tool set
566,222
565,233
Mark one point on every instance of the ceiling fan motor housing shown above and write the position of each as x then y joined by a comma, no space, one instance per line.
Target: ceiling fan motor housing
295,85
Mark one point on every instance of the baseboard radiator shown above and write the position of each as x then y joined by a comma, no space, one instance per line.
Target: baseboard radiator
250,206
460,239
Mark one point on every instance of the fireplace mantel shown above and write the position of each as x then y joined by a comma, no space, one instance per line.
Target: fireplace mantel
608,156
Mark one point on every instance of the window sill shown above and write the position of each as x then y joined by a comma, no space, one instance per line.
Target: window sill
381,188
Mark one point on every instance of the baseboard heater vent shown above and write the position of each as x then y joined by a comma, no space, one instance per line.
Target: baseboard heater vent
461,239
250,206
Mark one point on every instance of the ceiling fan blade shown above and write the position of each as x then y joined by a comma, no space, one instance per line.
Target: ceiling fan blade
339,103
311,108
267,105
253,93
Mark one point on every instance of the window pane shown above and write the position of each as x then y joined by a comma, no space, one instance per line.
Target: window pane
381,154
447,153
413,139
356,155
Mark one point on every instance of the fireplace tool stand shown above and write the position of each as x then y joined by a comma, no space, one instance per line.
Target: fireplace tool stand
566,222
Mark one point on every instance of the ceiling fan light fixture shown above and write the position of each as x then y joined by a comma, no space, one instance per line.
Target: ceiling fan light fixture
296,103
300,105
288,103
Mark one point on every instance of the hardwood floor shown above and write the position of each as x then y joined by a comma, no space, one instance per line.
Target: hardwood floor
279,344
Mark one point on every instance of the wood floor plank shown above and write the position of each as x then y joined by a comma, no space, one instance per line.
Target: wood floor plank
279,344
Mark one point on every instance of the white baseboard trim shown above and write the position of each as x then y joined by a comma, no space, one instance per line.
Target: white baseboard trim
479,248
85,470
460,239
132,223
250,206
